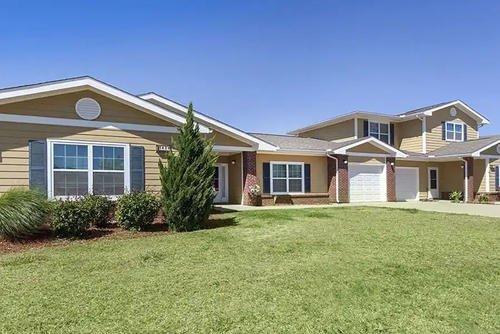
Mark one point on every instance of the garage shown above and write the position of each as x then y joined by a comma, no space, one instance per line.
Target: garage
407,183
367,183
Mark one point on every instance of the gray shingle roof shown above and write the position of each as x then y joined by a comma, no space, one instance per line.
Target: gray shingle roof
419,110
287,142
465,148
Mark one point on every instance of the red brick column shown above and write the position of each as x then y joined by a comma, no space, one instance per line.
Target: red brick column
390,168
343,178
470,180
249,174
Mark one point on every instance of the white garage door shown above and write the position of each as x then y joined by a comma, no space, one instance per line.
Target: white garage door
406,183
367,183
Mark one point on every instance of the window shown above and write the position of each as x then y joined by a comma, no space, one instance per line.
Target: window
379,131
454,131
287,177
78,169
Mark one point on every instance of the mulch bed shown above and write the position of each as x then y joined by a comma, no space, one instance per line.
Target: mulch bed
45,238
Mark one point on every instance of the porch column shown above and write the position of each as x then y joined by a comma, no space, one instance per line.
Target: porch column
249,174
469,194
390,169
343,178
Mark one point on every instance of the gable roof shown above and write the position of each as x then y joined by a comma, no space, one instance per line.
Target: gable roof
343,147
468,148
51,88
428,110
294,143
213,123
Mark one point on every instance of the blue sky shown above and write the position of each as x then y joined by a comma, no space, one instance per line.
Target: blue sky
266,66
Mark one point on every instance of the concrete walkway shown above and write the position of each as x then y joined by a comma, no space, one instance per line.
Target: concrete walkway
488,210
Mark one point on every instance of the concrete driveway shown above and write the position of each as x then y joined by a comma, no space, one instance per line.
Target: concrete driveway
488,210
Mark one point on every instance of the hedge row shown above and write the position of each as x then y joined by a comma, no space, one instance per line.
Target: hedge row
22,212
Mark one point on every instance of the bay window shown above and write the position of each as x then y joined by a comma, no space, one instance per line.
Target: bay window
454,131
79,168
287,177
379,131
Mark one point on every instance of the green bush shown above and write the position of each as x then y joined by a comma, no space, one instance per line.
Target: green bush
99,207
187,179
456,196
136,210
484,198
70,218
22,212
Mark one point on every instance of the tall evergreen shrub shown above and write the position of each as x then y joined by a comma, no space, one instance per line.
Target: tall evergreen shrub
187,179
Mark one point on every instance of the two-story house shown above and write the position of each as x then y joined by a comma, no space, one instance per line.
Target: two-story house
78,136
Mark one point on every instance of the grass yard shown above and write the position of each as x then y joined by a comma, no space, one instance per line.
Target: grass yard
336,270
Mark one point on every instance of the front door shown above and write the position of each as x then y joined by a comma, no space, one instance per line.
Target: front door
433,180
220,183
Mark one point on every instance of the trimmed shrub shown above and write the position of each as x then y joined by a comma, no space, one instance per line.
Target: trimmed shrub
70,218
22,211
99,207
136,210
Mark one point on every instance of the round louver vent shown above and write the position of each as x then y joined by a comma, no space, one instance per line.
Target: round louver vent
88,108
498,148
453,112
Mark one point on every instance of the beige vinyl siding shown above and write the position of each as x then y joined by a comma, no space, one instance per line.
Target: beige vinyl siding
367,148
337,132
234,177
408,135
366,160
222,139
451,176
422,175
14,139
63,106
319,169
490,151
434,127
480,170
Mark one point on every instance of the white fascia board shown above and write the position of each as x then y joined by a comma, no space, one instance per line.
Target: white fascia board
217,125
478,152
85,123
481,119
397,153
52,88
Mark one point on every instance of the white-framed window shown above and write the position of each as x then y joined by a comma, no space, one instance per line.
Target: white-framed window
381,131
287,177
454,131
77,168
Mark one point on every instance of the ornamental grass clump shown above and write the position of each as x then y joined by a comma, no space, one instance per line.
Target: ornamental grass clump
22,212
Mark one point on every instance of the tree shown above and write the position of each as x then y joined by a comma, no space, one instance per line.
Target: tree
187,179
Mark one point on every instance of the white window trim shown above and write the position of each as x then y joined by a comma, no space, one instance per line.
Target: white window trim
454,131
272,163
378,127
90,170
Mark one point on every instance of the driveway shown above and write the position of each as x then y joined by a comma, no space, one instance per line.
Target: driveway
488,210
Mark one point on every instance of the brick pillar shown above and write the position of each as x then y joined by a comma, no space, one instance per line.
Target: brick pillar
249,174
390,168
470,180
343,179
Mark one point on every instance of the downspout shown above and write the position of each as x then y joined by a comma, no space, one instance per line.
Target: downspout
424,133
466,180
336,176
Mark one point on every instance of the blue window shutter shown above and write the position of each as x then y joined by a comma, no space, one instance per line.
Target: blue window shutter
391,139
266,173
497,178
137,178
365,128
307,178
465,132
38,165
443,130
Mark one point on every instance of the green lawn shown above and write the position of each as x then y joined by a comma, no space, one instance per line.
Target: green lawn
338,270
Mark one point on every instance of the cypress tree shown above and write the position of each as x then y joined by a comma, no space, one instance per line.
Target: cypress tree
187,179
